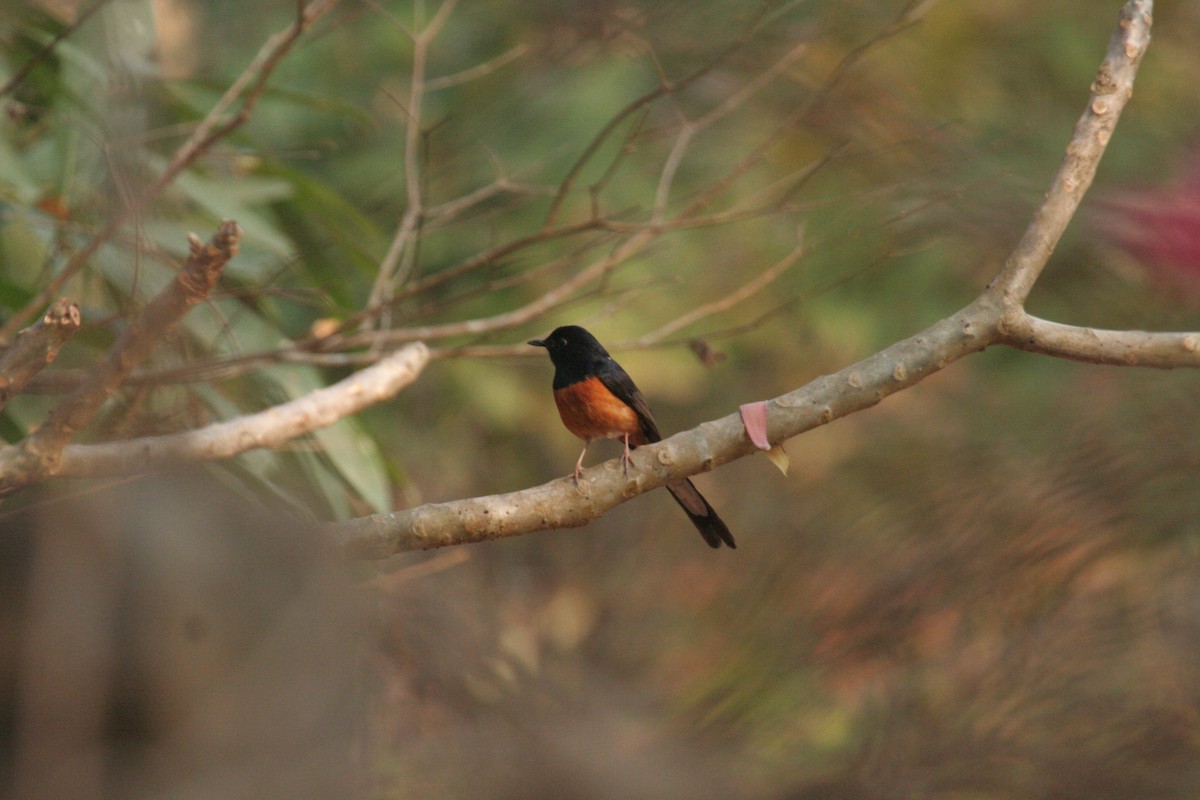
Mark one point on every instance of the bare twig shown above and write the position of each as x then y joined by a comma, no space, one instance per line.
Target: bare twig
692,128
330,340
911,15
271,428
36,347
747,290
634,106
518,316
398,262
496,254
447,212
39,454
476,72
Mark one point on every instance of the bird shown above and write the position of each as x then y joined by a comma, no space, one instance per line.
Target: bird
597,399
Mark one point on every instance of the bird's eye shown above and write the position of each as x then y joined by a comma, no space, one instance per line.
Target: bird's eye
562,342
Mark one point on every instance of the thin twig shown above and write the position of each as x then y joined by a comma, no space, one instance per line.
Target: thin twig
693,128
910,16
516,317
619,118
400,259
743,293
476,72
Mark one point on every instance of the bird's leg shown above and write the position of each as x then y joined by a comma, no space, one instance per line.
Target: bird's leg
625,458
579,463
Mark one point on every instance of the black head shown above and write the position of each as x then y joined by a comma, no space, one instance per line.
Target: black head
576,354
571,344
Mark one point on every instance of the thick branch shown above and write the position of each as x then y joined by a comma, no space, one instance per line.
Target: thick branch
271,428
38,455
36,347
560,504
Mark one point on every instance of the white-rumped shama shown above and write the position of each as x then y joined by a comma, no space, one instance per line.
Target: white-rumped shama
598,400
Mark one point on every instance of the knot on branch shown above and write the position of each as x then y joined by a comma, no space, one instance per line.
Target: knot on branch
205,261
63,314
1104,83
37,346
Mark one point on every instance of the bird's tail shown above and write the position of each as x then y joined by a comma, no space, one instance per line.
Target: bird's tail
701,513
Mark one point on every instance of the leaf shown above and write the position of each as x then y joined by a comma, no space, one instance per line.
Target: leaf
352,454
779,458
754,418
358,460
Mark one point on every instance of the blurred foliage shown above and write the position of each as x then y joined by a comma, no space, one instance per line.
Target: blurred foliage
985,587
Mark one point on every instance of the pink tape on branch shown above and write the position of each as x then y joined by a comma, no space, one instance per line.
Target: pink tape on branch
754,417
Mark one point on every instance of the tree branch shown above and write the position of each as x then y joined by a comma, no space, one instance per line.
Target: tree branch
1117,348
996,316
38,455
36,347
270,428
562,504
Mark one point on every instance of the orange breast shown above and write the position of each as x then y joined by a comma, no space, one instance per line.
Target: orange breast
590,411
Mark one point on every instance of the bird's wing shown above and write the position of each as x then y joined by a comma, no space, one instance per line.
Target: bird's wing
620,384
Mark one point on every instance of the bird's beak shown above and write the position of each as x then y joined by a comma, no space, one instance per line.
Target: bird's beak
537,342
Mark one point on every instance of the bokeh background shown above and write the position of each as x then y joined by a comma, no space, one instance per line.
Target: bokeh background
985,587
